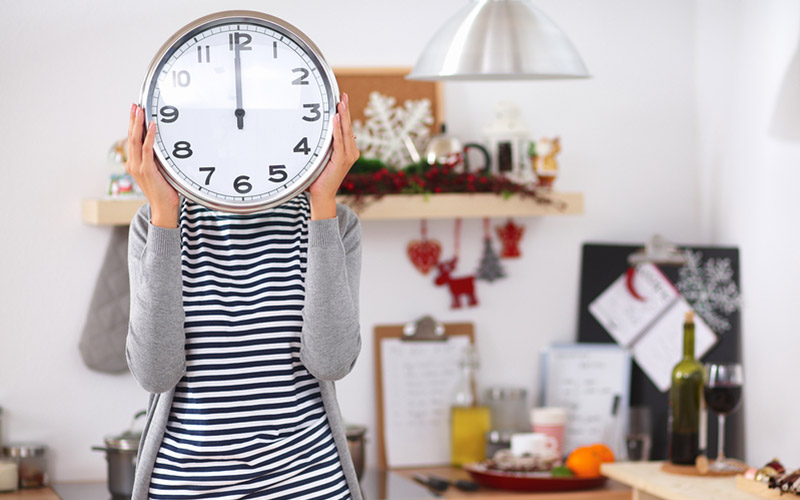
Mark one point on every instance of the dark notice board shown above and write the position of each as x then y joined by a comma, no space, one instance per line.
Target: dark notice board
604,263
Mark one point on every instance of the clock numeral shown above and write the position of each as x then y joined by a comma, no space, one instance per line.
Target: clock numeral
241,185
302,146
301,80
200,51
210,171
182,150
168,114
239,41
181,78
315,114
277,173
275,50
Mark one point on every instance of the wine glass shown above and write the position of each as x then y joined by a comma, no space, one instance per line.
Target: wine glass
723,393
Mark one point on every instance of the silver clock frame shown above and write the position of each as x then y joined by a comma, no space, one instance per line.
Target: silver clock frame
273,23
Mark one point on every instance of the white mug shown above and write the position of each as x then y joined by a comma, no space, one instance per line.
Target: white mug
534,444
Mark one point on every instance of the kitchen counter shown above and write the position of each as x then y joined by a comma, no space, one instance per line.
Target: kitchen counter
376,485
30,494
84,490
649,482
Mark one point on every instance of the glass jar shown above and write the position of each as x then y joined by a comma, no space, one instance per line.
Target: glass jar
31,461
9,475
509,408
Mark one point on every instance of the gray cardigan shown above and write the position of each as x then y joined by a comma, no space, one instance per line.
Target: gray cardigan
330,338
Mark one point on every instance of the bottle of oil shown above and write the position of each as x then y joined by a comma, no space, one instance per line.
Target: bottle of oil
469,421
685,402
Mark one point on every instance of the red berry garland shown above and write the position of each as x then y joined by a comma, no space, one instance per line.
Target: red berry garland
373,178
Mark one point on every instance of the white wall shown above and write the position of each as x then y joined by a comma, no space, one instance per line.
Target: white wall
68,72
749,184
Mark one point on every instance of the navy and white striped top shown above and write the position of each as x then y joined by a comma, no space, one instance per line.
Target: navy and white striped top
247,419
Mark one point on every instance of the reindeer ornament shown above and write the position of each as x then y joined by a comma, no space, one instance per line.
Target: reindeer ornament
458,286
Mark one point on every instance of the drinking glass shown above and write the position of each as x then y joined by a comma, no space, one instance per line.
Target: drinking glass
723,394
638,437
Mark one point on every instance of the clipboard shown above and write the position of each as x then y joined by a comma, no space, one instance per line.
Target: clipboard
416,372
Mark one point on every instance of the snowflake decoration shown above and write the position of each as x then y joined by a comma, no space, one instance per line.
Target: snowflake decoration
710,289
390,133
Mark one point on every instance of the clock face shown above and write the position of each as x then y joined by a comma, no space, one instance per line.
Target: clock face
243,104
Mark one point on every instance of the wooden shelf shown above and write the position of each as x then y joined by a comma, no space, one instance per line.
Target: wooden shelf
116,212
452,205
110,212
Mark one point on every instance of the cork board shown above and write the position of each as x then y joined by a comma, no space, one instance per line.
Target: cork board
360,82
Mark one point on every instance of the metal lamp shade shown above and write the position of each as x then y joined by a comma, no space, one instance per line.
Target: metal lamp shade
499,40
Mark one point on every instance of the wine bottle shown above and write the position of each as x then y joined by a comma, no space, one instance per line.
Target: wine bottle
685,401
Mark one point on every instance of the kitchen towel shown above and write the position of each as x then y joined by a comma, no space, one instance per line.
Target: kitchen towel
102,343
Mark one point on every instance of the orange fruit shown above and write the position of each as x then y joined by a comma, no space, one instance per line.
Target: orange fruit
584,462
606,455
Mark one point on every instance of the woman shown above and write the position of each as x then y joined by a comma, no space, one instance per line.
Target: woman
239,326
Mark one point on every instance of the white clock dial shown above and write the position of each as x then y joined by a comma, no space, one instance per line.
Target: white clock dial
243,107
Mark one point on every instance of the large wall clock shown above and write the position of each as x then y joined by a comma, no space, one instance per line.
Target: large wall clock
244,104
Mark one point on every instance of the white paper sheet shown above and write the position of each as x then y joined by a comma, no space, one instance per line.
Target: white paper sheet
419,381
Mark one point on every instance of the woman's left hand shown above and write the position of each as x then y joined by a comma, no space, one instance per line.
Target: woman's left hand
323,190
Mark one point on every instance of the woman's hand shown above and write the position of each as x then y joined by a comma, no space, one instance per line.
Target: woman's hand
162,196
323,190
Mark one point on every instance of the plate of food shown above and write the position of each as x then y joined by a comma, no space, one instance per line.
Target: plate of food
520,473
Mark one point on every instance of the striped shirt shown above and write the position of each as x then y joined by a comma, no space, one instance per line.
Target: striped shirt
247,419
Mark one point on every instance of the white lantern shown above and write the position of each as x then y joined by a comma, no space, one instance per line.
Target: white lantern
507,140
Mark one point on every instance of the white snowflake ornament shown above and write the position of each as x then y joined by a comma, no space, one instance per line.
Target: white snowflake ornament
710,289
394,135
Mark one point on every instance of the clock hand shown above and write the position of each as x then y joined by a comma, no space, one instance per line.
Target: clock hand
239,113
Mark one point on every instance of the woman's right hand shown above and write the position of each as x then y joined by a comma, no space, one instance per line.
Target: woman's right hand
141,165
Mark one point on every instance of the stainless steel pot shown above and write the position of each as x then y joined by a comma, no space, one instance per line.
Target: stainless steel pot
121,451
356,443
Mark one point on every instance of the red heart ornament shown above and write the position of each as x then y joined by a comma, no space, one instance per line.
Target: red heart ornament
424,254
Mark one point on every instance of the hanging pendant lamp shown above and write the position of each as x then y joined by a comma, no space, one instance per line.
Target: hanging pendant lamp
499,40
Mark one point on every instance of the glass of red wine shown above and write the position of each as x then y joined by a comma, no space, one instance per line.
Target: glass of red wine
723,394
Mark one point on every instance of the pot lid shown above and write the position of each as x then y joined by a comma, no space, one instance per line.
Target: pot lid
128,440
